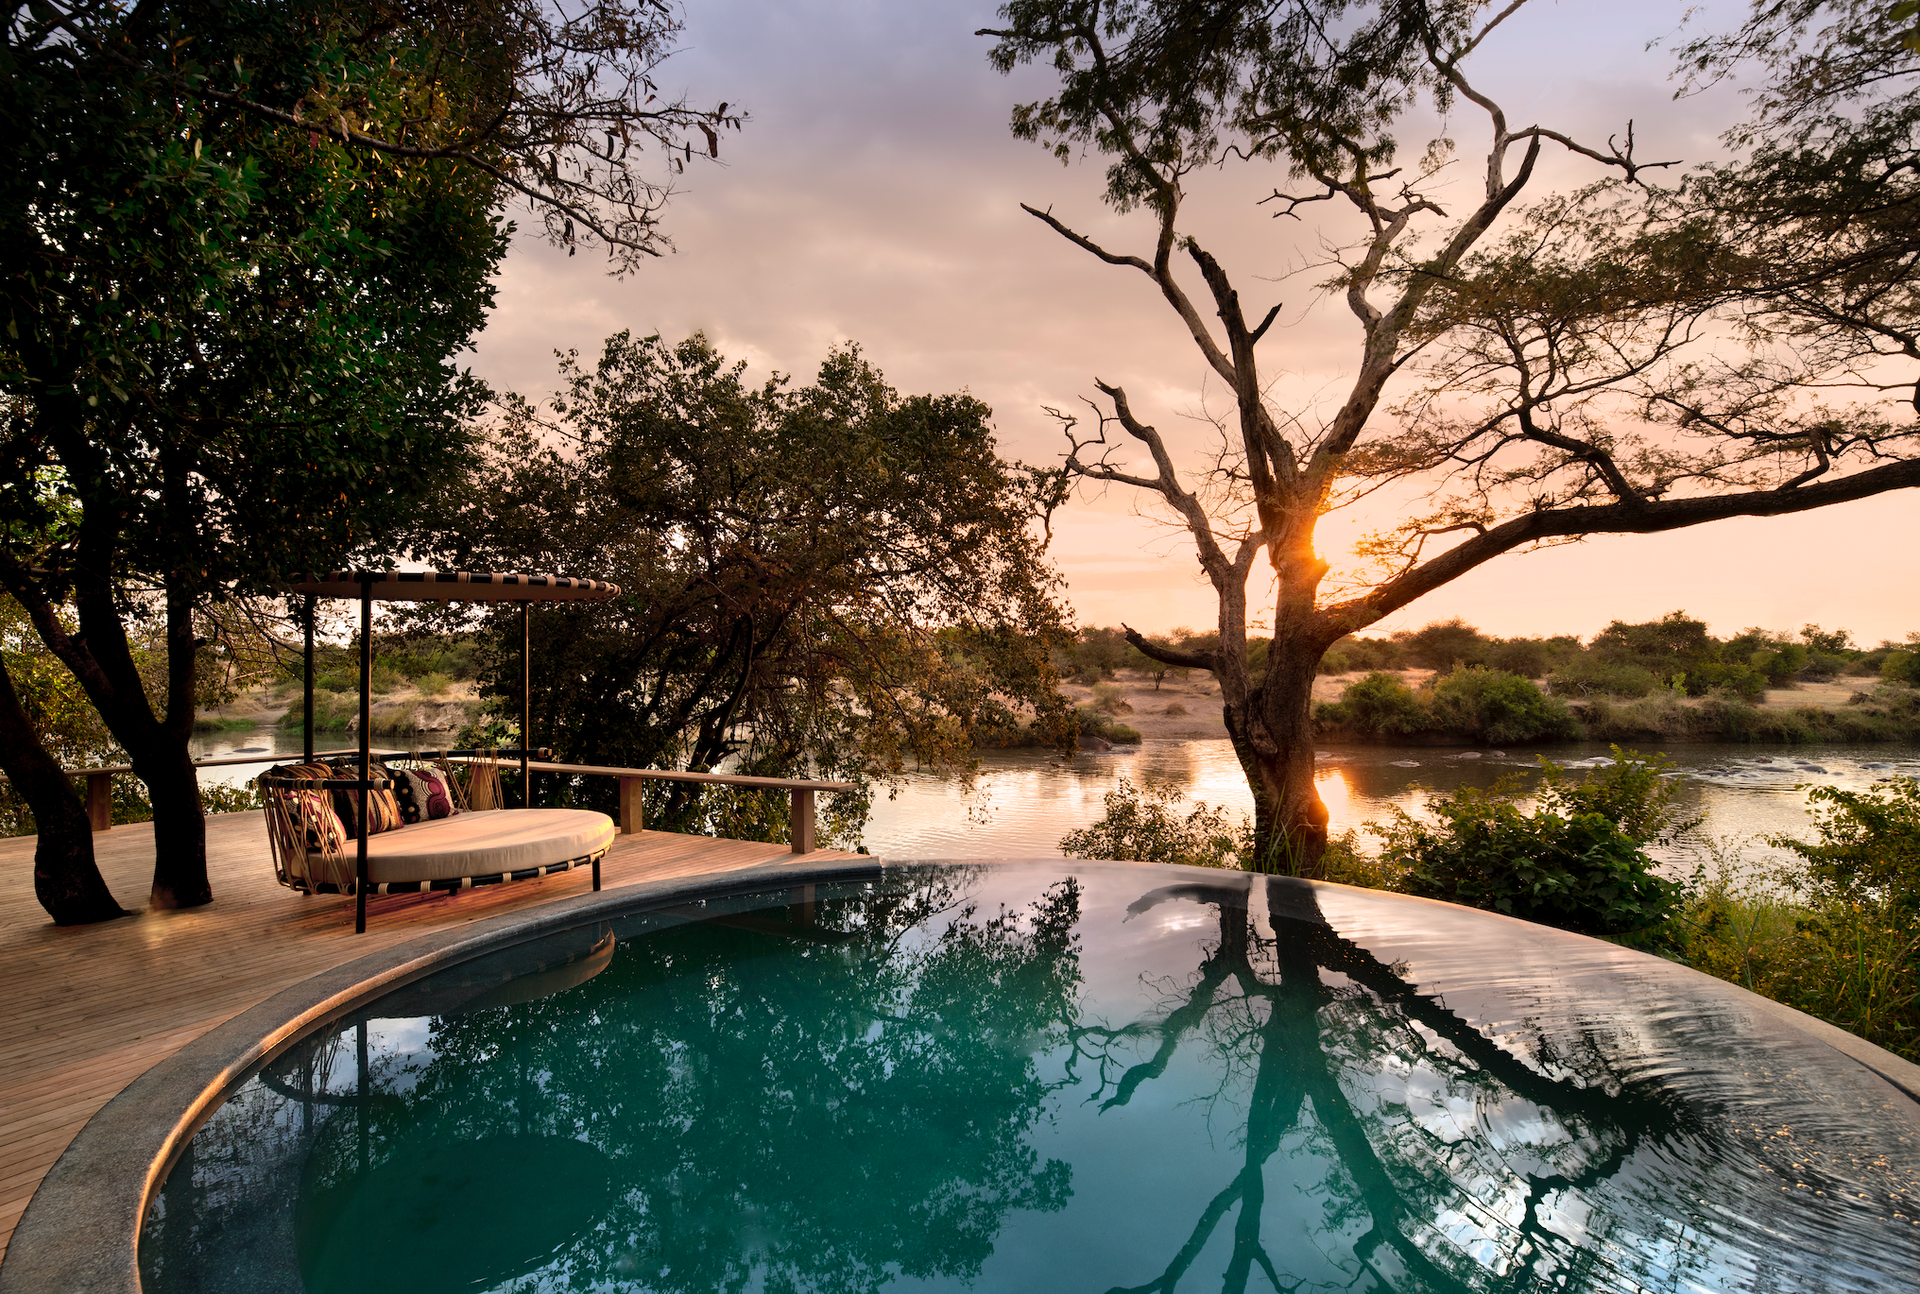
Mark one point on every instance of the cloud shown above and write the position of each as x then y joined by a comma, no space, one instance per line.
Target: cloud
874,197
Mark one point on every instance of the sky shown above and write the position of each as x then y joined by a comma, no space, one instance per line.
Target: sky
874,197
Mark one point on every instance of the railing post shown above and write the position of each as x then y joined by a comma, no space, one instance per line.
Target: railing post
100,801
633,813
801,828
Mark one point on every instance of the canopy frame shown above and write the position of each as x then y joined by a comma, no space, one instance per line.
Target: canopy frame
431,586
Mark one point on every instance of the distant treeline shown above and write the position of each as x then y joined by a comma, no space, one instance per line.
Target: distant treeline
1666,679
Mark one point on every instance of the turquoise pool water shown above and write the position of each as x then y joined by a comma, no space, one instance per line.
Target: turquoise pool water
1051,1077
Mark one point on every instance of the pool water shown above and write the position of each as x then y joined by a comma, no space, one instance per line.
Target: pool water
1051,1076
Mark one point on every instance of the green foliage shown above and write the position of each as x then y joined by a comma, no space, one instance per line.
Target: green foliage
1110,698
827,578
1575,862
1580,872
1838,938
1901,667
1868,849
1585,676
1636,793
1379,703
1499,708
1444,644
1152,823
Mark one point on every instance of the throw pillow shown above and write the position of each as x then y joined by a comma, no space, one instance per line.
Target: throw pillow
428,795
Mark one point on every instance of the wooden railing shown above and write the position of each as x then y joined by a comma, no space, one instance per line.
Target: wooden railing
800,816
801,824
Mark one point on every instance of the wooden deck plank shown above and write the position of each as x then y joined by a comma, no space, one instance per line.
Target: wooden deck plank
83,1012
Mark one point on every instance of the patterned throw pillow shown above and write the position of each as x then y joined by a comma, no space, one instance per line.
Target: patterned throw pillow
426,795
383,811
313,810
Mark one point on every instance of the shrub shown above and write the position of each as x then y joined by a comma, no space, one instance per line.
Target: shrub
1742,681
1869,846
1580,872
1901,667
1527,657
1633,792
1145,824
1379,703
1586,676
1174,708
1780,664
1094,724
1109,697
1498,707
432,683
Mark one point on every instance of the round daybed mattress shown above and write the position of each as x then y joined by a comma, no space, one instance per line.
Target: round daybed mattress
487,842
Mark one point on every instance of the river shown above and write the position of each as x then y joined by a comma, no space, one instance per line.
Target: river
1023,802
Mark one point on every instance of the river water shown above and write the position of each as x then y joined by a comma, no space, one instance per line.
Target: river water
1023,802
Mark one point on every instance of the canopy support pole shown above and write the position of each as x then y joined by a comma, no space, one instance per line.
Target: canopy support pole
366,754
307,727
526,704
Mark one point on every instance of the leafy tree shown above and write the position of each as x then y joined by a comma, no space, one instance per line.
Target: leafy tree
1444,644
1549,387
1144,824
1381,704
829,578
1494,706
239,244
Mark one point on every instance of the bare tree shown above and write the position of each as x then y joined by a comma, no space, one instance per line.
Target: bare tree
1560,369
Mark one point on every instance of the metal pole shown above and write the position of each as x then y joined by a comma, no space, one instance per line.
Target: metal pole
366,753
526,703
311,601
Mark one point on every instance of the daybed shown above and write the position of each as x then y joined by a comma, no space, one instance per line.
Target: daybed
495,845
468,848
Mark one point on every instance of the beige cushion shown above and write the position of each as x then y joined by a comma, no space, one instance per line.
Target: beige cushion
485,843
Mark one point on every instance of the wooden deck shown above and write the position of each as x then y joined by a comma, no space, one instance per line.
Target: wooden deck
85,1011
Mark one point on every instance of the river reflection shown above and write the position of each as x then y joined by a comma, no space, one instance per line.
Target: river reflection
1025,801
1051,1077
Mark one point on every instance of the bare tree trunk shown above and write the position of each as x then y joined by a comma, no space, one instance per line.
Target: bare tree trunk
1279,746
66,879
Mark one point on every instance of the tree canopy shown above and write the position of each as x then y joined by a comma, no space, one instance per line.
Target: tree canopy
242,243
1629,357
828,577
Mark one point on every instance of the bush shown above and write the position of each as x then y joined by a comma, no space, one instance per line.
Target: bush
1586,676
1109,697
1741,681
1838,939
1380,704
1174,708
1094,724
1144,824
432,683
1780,664
1498,707
1580,872
1901,667
1527,657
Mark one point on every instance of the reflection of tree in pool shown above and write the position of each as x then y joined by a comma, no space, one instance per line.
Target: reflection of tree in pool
1313,1022
830,1096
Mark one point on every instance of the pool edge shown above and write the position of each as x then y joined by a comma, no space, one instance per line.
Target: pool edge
80,1232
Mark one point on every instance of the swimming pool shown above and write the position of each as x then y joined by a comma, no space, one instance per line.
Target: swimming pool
1050,1076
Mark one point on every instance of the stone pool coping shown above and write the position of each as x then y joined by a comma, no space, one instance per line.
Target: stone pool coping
81,1231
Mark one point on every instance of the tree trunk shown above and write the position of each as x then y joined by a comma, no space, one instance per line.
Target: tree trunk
179,826
1274,742
65,878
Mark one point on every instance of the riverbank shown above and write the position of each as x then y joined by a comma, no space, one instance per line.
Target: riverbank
1845,710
